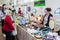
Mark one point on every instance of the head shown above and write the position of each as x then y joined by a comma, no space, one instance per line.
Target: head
13,6
4,6
9,8
19,8
39,15
47,10
32,14
9,12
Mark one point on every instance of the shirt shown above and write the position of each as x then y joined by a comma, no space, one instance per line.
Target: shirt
22,20
1,13
45,19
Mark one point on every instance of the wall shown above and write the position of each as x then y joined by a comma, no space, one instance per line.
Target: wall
4,1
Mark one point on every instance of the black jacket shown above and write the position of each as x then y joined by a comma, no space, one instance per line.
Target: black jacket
47,24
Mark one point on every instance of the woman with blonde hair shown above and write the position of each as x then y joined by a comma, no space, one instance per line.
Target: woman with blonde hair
8,25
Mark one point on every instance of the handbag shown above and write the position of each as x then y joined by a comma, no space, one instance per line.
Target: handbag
14,32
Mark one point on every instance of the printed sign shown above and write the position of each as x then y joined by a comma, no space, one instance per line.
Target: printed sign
39,3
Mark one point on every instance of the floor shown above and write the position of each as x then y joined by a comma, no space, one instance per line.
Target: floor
1,36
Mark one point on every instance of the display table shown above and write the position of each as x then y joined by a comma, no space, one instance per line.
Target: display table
24,35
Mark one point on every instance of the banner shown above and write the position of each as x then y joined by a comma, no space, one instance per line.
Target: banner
39,3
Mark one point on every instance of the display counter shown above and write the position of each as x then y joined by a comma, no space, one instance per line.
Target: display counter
24,35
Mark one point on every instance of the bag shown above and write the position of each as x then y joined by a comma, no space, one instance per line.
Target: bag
14,32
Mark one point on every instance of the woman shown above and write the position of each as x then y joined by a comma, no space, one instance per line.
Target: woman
8,25
4,12
4,8
46,18
33,18
1,13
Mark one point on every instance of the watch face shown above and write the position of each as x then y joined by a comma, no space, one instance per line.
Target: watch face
57,12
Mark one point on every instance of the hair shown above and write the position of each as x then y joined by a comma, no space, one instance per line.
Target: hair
32,14
48,9
13,6
0,8
19,8
10,9
3,4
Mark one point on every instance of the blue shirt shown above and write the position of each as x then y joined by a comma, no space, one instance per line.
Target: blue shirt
22,20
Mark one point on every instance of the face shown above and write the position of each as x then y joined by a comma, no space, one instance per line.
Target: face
5,6
10,13
46,12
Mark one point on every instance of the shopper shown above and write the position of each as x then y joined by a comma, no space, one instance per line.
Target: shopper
22,21
32,18
13,9
39,19
19,11
1,13
3,8
8,25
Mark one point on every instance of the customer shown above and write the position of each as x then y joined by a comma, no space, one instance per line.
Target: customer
13,9
1,13
19,11
33,18
8,25
3,8
22,21
4,12
39,19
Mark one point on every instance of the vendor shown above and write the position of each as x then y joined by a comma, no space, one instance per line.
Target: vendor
39,19
22,21
33,18
46,17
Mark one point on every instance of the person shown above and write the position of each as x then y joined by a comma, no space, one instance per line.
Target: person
13,9
19,11
1,14
8,25
39,19
47,16
22,21
4,12
13,13
17,18
4,8
46,19
33,18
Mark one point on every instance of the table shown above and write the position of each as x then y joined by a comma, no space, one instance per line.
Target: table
24,35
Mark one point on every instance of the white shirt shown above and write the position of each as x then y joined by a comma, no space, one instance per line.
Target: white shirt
1,14
45,19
